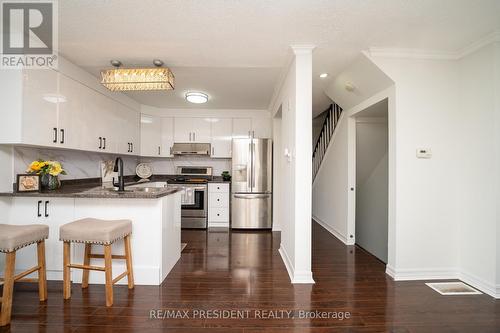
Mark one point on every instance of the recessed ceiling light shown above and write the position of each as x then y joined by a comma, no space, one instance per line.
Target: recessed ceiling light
323,75
196,97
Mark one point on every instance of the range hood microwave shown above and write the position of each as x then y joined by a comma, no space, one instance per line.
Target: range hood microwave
191,149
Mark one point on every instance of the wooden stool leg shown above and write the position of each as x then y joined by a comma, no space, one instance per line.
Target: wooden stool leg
86,262
128,258
67,270
109,275
42,272
8,288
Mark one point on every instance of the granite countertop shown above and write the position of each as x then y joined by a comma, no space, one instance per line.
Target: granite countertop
92,188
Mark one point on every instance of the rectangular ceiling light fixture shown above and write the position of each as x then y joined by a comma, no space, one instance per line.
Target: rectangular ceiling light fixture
130,79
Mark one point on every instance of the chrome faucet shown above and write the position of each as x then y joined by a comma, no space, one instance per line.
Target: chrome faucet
119,168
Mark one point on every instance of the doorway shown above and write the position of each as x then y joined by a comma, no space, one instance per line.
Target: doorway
372,179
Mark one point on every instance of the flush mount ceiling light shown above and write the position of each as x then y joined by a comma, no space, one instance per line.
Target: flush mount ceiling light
323,75
138,79
196,97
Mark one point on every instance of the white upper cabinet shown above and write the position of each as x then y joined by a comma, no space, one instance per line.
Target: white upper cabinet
39,108
201,130
151,136
50,109
183,130
167,136
222,130
242,128
71,120
192,130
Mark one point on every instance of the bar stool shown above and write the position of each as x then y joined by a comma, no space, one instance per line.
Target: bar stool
12,238
96,232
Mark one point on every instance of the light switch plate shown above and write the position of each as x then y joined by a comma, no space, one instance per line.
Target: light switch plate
424,153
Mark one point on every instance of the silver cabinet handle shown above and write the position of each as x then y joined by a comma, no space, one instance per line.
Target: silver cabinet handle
252,196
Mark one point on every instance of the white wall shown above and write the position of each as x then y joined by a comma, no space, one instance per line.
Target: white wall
278,180
443,211
426,104
331,186
294,99
478,161
372,190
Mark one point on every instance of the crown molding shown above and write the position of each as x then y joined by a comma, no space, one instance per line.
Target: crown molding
433,54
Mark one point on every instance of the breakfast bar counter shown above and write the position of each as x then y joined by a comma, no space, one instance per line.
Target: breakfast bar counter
154,209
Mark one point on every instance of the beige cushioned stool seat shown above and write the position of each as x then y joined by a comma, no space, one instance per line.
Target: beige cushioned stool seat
95,231
13,237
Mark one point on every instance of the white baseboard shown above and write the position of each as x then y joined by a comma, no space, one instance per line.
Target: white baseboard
296,277
478,283
333,231
443,274
411,274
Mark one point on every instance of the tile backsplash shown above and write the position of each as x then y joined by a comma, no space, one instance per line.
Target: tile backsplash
78,164
168,166
81,164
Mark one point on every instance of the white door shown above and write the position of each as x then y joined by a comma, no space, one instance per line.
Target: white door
167,136
39,107
150,136
93,124
242,128
201,130
71,119
222,130
183,130
53,212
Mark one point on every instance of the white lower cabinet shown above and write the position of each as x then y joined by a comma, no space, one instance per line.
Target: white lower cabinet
218,205
53,212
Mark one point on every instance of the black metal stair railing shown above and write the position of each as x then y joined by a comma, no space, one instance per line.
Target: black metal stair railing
332,118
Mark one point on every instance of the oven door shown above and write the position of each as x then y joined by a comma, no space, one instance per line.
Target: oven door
194,201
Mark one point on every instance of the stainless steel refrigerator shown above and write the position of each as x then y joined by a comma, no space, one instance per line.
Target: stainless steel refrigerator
251,186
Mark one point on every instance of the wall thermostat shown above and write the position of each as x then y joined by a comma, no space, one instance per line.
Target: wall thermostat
424,153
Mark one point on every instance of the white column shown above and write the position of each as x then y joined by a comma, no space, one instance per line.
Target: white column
299,257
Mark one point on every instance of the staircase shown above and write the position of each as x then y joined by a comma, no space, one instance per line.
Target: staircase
332,118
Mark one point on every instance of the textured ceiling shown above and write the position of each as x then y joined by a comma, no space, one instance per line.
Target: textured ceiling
246,43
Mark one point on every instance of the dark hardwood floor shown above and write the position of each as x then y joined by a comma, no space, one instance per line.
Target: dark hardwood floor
243,271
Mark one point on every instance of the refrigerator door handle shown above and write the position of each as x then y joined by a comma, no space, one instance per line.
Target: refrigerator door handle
252,196
250,172
253,165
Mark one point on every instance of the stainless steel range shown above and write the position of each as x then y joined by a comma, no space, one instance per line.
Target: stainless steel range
194,181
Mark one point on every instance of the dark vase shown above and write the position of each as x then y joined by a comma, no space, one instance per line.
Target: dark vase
50,182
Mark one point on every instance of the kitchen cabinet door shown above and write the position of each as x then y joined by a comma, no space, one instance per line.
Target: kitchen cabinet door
201,130
183,130
167,136
150,136
261,128
53,212
93,123
129,142
39,118
242,128
222,130
70,119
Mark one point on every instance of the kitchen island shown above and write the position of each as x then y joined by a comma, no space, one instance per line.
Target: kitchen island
153,208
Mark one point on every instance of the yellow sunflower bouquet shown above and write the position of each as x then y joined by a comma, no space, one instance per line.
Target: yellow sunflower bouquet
42,167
